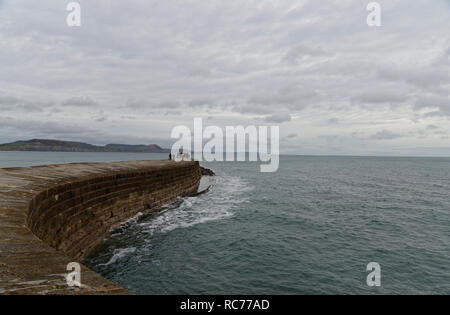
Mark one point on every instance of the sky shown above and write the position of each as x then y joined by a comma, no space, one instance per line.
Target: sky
135,69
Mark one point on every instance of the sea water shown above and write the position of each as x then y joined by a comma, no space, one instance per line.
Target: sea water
310,228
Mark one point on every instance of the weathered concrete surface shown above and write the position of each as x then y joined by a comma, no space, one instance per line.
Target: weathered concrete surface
55,214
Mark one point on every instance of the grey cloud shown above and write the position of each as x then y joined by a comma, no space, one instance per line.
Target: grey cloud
132,103
201,102
10,103
379,95
385,135
80,101
138,104
422,78
441,103
333,121
253,108
173,113
45,128
441,133
202,72
278,118
101,117
169,104
293,96
129,117
292,99
297,53
291,136
332,138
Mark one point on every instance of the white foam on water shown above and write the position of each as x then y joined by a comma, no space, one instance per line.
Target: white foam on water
218,204
117,230
119,254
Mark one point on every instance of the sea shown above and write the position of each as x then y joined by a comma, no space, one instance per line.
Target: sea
310,228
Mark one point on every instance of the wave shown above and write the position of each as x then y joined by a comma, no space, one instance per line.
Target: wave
119,254
119,229
216,205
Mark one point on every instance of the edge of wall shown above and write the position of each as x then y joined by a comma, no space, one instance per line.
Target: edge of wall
55,214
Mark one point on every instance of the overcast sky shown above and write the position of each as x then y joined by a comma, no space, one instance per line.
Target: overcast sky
135,69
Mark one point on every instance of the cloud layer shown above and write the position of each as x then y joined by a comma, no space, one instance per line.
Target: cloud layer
136,69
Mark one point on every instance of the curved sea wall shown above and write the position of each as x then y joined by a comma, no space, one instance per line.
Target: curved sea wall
56,214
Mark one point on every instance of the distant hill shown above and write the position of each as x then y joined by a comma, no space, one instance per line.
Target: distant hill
70,146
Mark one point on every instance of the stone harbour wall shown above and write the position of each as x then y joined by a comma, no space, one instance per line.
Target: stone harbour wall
55,214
